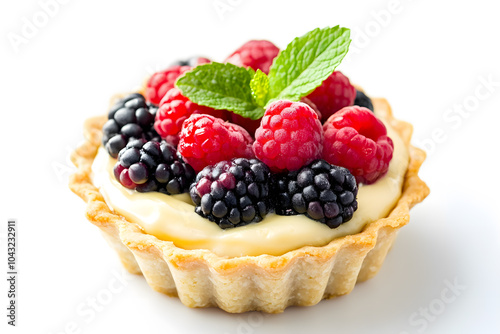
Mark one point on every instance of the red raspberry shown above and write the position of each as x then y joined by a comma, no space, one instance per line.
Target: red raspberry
257,54
206,140
252,125
357,140
161,82
175,108
335,93
290,136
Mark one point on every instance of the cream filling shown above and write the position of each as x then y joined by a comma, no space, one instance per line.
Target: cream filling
172,218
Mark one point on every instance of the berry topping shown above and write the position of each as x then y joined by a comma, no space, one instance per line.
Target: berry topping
175,109
363,100
152,166
257,54
290,74
191,62
290,136
357,140
321,191
130,117
161,82
232,193
206,140
335,93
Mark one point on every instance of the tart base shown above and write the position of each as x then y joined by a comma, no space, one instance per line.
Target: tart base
265,283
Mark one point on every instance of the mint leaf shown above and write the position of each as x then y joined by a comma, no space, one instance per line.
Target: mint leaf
260,87
221,86
306,62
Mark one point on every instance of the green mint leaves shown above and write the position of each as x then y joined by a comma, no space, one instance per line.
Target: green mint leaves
306,62
221,86
297,70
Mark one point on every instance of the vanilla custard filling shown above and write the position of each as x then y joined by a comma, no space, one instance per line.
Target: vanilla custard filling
172,218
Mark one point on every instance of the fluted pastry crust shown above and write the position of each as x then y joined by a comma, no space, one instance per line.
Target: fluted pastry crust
266,283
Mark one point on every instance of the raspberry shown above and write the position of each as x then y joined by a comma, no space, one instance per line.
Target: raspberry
321,191
206,140
232,193
257,54
174,109
130,118
252,125
335,93
289,137
363,100
357,140
152,166
161,82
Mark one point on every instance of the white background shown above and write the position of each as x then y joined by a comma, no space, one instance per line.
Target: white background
431,59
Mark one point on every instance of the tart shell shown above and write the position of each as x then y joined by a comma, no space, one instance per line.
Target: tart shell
265,283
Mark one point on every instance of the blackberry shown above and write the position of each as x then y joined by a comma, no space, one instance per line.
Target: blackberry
153,166
232,193
323,192
130,118
363,100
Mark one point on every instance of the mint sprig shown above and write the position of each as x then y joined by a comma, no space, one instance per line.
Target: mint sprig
306,62
297,70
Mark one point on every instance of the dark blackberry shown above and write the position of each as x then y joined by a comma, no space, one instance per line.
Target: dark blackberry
323,192
130,118
153,166
232,193
363,100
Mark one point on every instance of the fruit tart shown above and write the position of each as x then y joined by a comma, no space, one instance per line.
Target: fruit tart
264,181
